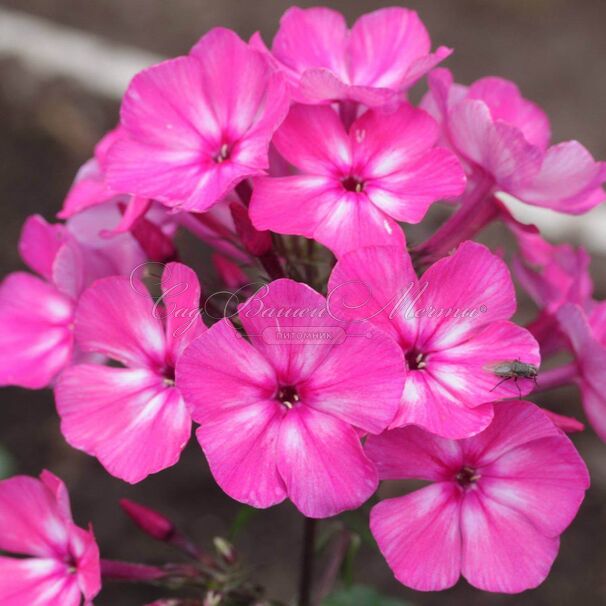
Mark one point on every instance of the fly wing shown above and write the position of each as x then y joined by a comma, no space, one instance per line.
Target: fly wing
499,369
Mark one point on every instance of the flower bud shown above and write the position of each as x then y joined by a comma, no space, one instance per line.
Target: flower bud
149,521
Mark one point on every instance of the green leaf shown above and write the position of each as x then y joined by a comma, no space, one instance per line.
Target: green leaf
360,595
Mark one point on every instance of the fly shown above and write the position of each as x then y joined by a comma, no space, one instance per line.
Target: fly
516,370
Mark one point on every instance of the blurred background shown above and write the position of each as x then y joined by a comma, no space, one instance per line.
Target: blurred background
63,65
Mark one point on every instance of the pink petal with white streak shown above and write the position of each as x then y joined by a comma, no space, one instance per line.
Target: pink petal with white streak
569,180
181,300
36,339
129,419
384,45
501,550
418,535
472,279
313,139
39,244
117,317
414,453
37,582
31,520
432,405
231,389
368,366
315,37
468,369
322,464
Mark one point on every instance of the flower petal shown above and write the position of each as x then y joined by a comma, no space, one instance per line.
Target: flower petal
505,102
419,536
128,419
37,582
231,389
515,424
384,44
464,291
117,317
501,550
435,407
410,452
39,243
181,299
36,340
313,139
469,368
544,480
31,520
322,464
273,318
569,180
314,37
368,366
375,283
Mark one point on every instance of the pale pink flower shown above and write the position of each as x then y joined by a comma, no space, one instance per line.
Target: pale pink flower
354,186
383,54
452,324
111,220
496,507
585,333
195,126
132,418
62,563
504,140
36,312
280,415
552,274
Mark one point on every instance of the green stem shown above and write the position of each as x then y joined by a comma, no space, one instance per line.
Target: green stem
307,561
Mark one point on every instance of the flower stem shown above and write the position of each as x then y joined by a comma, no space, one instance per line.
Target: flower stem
307,562
478,208
556,377
113,570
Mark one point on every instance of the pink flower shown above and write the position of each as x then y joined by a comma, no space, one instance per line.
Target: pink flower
585,334
36,313
504,139
195,126
63,563
354,187
452,324
132,418
552,274
495,509
280,415
382,56
113,220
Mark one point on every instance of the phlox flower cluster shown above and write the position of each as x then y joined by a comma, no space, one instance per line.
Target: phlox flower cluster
336,353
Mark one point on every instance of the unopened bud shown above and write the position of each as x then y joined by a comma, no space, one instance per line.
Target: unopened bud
212,598
256,242
149,521
225,549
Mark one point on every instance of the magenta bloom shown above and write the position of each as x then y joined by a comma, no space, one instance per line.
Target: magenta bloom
132,418
382,56
195,126
354,187
585,333
63,560
504,139
495,510
452,324
280,416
